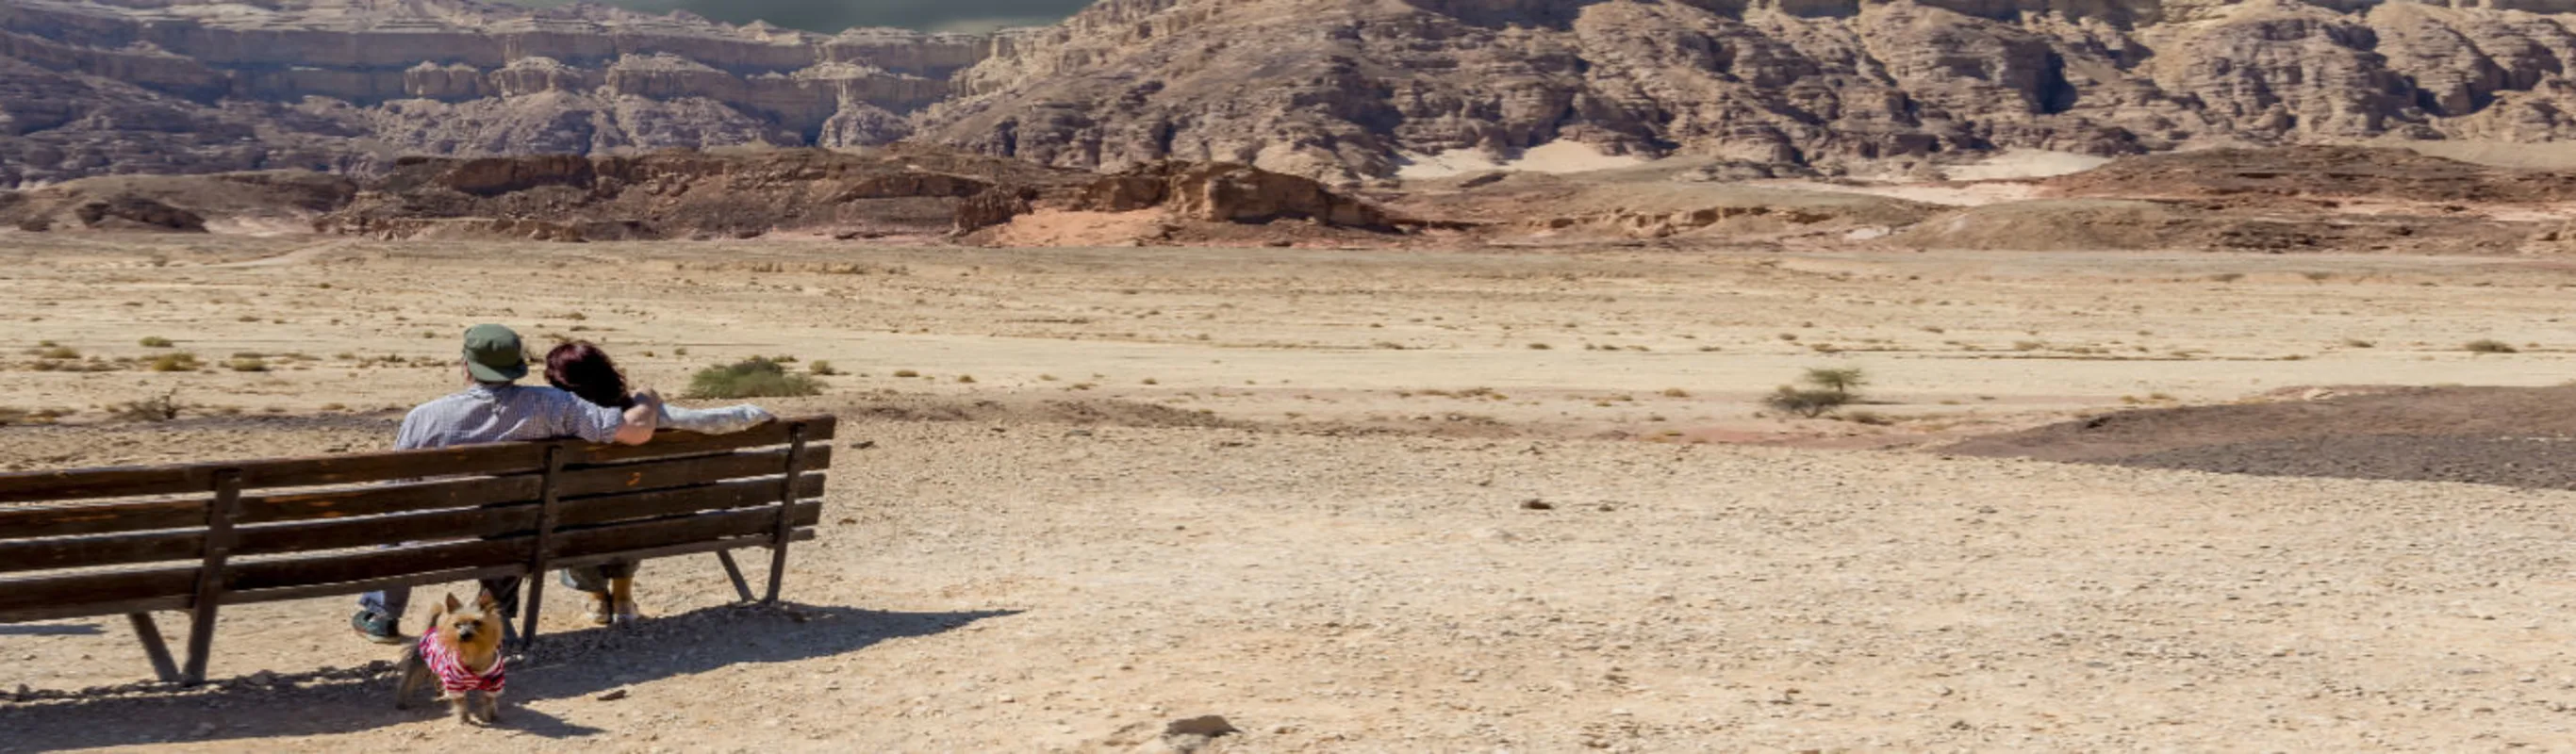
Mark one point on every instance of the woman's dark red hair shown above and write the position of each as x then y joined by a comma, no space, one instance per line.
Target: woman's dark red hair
582,368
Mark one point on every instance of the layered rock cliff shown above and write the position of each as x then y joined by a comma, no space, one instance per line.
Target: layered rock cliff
1358,88
1340,90
156,86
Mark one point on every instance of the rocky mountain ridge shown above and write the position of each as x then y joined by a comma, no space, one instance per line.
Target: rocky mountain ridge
1361,88
1342,90
90,87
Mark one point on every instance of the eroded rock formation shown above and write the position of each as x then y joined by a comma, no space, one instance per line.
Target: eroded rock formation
89,88
1339,90
1351,89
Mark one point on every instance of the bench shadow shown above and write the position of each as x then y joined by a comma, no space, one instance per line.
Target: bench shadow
566,665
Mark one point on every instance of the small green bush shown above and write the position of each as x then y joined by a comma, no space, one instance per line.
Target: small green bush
752,378
822,369
157,342
58,352
2490,345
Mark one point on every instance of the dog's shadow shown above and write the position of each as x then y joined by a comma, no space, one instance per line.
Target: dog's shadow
583,663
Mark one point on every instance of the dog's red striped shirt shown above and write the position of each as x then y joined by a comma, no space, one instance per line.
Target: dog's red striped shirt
452,673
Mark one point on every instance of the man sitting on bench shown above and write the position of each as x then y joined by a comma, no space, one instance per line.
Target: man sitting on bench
497,409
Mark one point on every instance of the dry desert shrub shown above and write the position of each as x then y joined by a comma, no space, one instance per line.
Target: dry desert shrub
160,408
1846,381
751,378
9,416
157,342
1805,402
1826,390
2489,345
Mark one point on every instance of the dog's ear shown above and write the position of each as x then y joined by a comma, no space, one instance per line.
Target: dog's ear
483,601
454,606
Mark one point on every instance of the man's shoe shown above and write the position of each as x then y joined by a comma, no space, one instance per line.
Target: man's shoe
376,627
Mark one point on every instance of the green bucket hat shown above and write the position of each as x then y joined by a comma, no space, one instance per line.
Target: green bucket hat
493,354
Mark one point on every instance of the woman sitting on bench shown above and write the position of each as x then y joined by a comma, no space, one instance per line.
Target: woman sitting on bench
583,369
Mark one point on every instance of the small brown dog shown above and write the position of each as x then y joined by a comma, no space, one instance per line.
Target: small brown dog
462,649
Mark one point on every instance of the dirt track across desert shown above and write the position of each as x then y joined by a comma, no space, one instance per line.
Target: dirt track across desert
1506,499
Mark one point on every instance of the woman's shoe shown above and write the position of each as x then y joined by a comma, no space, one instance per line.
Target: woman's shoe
622,595
601,609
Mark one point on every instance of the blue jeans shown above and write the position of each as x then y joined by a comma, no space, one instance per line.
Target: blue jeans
392,602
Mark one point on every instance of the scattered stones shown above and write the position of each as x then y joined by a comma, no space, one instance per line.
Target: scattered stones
1203,725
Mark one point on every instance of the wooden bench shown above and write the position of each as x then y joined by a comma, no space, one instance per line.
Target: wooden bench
195,537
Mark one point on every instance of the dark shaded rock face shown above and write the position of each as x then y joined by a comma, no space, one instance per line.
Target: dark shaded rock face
139,213
1230,193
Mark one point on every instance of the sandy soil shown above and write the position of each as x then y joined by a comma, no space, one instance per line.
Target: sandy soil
1341,552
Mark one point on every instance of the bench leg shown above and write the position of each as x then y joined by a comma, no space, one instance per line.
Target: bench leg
741,586
201,643
153,647
777,569
536,595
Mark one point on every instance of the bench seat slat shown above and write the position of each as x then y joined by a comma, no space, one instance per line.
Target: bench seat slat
330,534
338,588
692,548
377,564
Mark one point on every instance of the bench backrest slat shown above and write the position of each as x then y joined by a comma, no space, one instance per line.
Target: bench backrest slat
115,586
648,534
113,549
100,518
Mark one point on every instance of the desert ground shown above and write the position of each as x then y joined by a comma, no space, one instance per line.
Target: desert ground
1499,499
